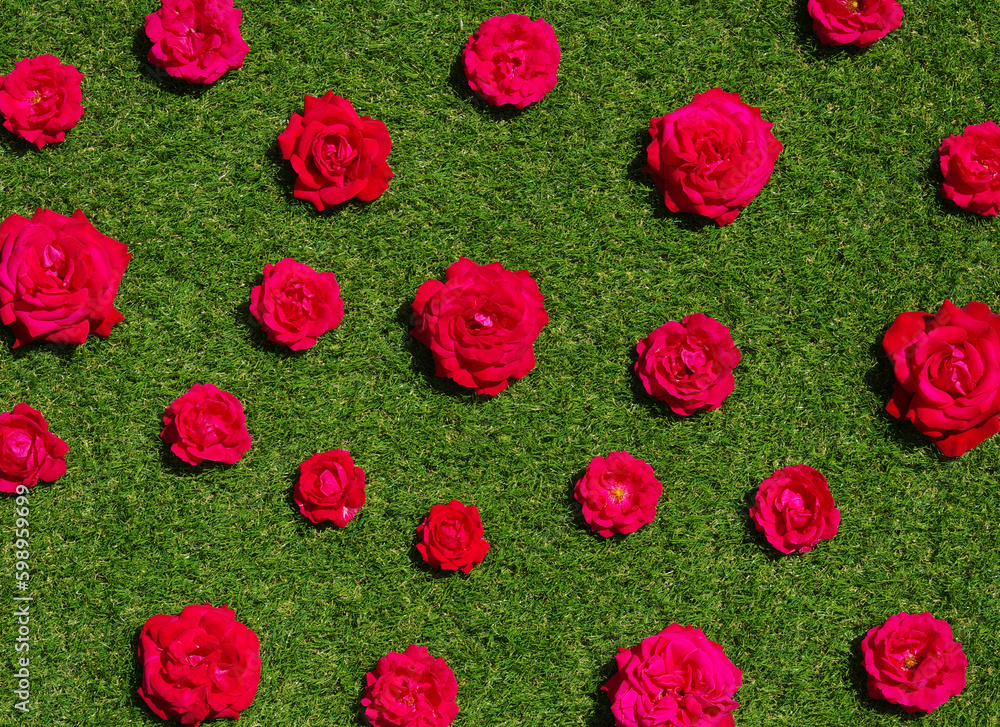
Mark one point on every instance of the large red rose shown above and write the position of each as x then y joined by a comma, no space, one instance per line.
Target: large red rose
58,277
912,660
619,494
206,423
712,156
295,304
677,678
451,537
197,40
28,450
970,164
795,510
512,59
337,154
857,22
412,689
330,487
480,324
201,664
947,369
40,99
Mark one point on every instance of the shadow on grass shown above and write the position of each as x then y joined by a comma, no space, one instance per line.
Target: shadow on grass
753,536
857,678
932,179
657,409
176,466
807,38
141,45
601,715
575,510
135,681
286,178
20,148
460,86
255,335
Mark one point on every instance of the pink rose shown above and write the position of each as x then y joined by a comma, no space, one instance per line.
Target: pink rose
619,494
451,537
58,278
795,510
197,40
677,678
947,369
200,664
295,304
337,154
330,487
861,22
712,156
970,164
689,365
28,450
913,661
206,423
41,99
480,324
412,689
512,59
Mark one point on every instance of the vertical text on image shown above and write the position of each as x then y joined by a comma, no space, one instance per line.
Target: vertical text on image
22,602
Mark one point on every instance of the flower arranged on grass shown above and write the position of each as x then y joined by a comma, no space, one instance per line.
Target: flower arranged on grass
28,450
619,494
677,678
295,304
688,365
857,22
912,660
58,277
197,40
336,154
451,537
947,368
512,59
480,324
201,664
712,156
330,488
41,99
795,510
970,164
412,689
206,423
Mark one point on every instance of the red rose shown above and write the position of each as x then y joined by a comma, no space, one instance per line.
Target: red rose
201,664
336,153
712,156
295,304
206,423
512,59
28,450
330,487
795,510
688,365
619,494
947,370
451,537
970,164
412,689
58,277
677,678
913,661
197,40
861,22
480,324
41,99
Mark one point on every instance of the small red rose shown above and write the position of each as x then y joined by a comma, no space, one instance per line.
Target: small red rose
412,689
206,423
970,164
451,537
512,59
28,450
197,40
795,510
857,22
619,494
330,487
295,304
40,99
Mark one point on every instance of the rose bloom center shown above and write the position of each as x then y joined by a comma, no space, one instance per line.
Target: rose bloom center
17,447
336,153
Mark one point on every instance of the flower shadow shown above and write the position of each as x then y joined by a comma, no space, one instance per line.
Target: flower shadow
141,45
421,565
932,179
255,335
135,682
286,178
460,86
751,535
601,715
18,147
575,511
807,38
857,679
178,467
656,408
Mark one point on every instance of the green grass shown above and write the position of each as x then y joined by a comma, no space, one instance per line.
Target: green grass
850,231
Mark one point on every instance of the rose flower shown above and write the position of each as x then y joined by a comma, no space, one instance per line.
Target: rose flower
412,689
512,59
619,494
858,22
451,537
206,423
295,304
795,510
28,450
197,40
330,488
970,164
40,99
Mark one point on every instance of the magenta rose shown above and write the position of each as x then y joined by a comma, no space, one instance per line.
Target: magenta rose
970,164
40,99
795,510
480,324
712,156
947,368
206,423
451,537
512,59
336,154
28,450
197,40
412,689
295,304
330,488
688,365
912,660
201,664
858,22
677,678
58,277
619,494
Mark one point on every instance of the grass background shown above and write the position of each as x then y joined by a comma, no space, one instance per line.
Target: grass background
850,231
